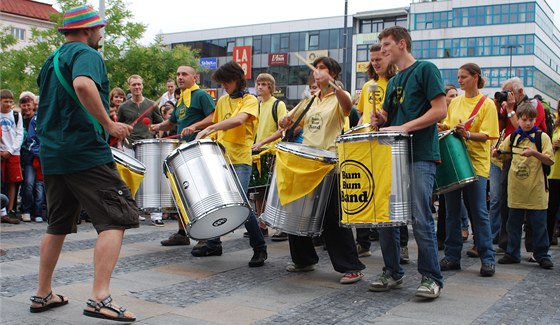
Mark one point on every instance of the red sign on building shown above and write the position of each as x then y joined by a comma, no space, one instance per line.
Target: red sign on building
242,55
277,59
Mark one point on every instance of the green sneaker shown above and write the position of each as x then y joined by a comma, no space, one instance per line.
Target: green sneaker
385,282
428,289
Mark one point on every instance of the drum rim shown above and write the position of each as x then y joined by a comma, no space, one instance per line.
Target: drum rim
329,160
140,168
356,128
186,145
145,141
370,135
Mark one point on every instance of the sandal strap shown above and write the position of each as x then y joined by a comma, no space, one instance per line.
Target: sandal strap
106,303
40,300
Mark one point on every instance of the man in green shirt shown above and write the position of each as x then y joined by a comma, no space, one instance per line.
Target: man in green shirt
78,166
194,111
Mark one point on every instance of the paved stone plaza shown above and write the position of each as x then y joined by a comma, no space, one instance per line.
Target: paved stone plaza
167,285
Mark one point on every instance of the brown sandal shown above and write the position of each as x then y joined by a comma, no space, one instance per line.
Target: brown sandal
106,303
44,303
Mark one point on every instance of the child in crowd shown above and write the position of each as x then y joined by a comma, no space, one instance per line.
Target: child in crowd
527,189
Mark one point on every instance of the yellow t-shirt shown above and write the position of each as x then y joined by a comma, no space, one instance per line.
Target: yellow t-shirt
267,125
555,169
365,104
485,122
526,188
239,140
323,122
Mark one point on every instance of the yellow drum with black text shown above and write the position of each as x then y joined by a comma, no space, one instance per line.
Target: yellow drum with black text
375,179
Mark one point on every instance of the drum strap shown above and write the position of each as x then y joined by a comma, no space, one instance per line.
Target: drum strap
475,111
289,137
72,94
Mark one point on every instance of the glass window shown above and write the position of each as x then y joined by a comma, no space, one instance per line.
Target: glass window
334,41
275,43
230,46
284,43
266,46
323,39
294,42
257,44
313,41
18,33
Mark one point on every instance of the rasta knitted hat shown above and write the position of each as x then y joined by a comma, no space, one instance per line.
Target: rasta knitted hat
81,17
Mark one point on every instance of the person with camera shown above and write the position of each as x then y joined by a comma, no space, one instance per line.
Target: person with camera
511,96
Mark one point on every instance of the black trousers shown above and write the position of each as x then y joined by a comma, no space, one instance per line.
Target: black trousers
339,241
553,205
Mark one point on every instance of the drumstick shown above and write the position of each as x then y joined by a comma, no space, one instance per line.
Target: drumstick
467,121
310,66
373,89
146,112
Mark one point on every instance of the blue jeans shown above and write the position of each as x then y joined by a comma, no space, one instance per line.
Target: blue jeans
256,238
423,173
32,192
537,218
495,192
476,198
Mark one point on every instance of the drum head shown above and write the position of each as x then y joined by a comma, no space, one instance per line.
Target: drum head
128,161
218,222
308,152
158,141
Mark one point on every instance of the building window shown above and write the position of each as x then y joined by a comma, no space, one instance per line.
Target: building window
313,41
230,46
493,15
18,33
429,20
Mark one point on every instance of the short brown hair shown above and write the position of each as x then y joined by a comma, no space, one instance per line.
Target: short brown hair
134,76
526,109
398,33
231,71
331,64
391,69
5,93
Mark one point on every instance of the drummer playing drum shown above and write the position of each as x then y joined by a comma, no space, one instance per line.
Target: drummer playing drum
322,124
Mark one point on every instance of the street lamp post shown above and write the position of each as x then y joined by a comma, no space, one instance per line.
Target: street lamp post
510,47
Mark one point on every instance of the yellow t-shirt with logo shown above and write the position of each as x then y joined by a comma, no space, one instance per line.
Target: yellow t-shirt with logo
365,104
555,169
322,123
239,140
485,122
267,126
526,189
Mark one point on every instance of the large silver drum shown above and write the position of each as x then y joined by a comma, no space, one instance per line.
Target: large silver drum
304,216
154,195
375,179
208,195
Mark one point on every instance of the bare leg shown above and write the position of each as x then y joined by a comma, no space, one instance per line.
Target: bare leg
105,257
11,196
51,245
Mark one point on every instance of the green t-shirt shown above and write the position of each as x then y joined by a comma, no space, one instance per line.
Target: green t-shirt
69,141
416,86
201,106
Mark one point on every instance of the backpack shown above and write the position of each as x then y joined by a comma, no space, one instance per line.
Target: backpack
538,144
549,120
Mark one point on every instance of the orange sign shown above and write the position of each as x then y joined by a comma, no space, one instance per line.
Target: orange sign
242,55
212,92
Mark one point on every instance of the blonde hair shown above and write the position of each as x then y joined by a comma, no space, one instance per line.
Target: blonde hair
268,78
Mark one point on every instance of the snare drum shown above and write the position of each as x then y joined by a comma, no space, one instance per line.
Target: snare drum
208,195
302,216
154,195
130,169
375,179
456,169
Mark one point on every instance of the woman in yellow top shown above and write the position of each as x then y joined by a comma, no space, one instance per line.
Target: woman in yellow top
235,120
554,181
322,124
477,137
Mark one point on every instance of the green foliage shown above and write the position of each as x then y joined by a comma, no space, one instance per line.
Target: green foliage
122,53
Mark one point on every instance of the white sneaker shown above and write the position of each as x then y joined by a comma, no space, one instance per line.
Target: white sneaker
38,219
26,217
141,218
428,289
3,212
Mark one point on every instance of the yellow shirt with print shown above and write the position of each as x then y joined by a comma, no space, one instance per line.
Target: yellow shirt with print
239,140
526,189
323,122
485,122
365,104
555,169
267,125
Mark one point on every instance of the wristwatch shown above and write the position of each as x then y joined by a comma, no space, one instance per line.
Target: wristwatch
510,114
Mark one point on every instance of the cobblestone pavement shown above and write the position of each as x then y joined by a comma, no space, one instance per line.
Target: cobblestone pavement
167,285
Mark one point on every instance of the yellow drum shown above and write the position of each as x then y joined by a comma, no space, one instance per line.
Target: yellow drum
130,169
375,179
